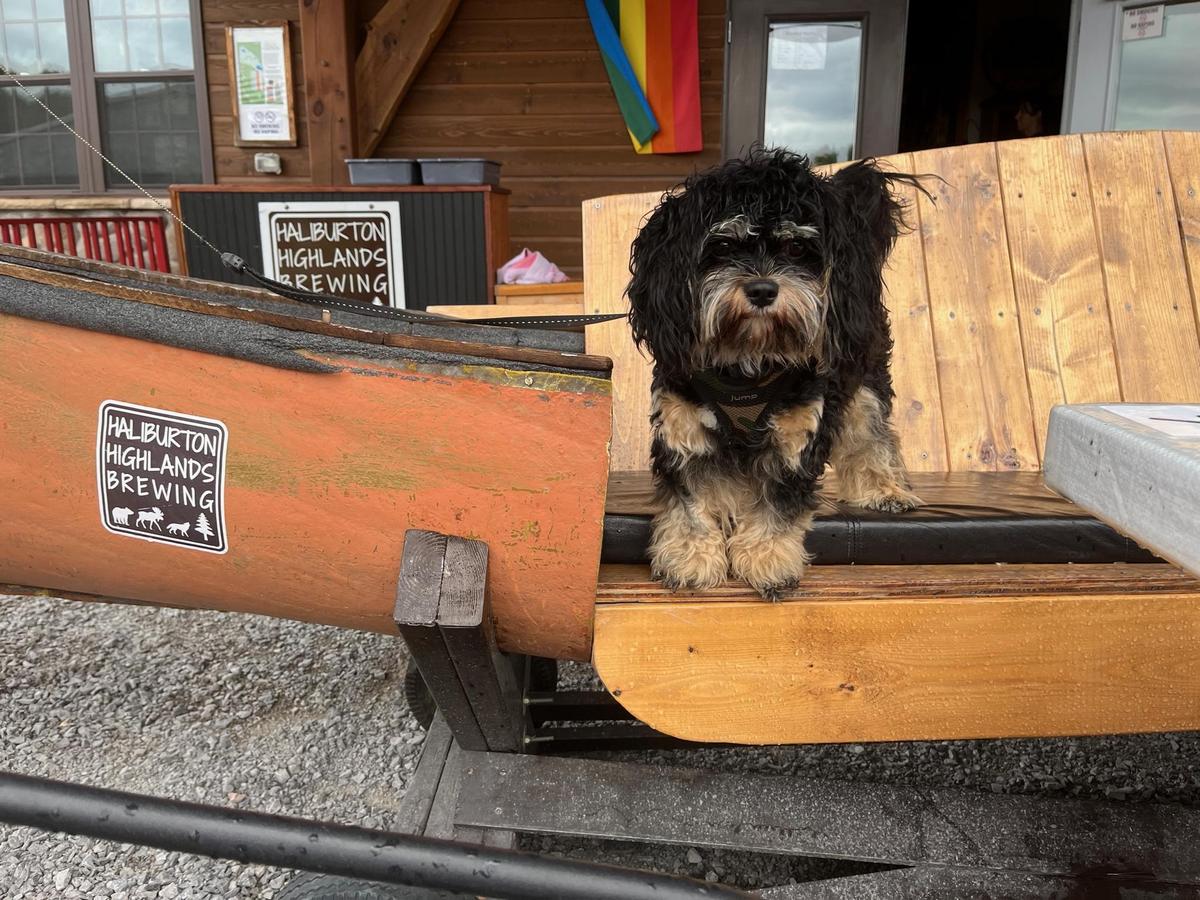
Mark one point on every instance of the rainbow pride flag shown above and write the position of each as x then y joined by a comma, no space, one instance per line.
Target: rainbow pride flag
651,49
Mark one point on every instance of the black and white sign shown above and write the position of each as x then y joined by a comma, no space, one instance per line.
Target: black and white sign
161,475
349,249
1142,22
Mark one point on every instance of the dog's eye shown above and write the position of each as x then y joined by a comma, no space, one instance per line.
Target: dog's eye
794,248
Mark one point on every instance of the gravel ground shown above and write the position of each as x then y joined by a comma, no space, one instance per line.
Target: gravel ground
306,720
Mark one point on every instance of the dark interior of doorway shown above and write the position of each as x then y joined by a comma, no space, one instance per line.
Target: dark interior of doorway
989,70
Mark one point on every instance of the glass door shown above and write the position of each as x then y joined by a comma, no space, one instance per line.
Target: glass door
821,77
1135,67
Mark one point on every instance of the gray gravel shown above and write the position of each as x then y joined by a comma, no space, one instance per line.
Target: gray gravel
305,720
232,710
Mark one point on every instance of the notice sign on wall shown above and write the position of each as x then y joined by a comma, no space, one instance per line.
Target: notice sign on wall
260,72
349,249
162,475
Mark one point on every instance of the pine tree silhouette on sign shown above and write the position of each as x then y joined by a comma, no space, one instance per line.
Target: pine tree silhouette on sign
203,527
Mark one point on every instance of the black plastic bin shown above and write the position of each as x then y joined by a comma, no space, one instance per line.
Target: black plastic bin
459,171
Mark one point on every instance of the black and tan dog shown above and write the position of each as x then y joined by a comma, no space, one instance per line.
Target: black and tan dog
757,288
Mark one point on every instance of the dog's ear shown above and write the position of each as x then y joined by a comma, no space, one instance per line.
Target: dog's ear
870,207
861,221
664,263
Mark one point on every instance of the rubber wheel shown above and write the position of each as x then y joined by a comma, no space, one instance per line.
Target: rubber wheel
313,886
417,696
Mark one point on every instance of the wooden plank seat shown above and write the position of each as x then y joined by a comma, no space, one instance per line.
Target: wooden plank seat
1039,272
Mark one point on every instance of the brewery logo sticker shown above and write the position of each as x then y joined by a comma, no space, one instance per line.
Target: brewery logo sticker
161,475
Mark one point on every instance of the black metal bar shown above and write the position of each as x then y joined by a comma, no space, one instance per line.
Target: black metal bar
885,823
613,736
575,706
293,843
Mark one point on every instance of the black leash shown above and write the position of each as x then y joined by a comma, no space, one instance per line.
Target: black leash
328,301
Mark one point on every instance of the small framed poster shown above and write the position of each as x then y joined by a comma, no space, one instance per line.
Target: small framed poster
348,248
260,81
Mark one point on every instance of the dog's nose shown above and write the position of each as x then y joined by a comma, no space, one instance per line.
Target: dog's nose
761,291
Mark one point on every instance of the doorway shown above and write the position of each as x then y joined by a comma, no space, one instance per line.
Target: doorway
986,71
843,79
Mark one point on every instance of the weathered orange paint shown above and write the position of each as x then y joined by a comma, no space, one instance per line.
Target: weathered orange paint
324,474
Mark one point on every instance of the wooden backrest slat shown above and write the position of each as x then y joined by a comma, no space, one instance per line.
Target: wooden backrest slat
1057,275
1154,325
976,333
1061,269
917,412
609,227
1183,163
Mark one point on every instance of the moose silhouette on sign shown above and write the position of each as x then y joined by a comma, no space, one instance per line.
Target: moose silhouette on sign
150,518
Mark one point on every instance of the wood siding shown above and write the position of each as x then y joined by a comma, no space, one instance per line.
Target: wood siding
236,164
521,82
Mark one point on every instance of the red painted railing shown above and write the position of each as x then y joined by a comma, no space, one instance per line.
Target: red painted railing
137,241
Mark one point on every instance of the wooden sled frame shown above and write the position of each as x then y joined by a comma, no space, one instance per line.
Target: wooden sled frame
471,786
1045,271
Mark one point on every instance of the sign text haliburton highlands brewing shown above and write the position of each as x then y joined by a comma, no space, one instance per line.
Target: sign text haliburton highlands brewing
161,475
348,249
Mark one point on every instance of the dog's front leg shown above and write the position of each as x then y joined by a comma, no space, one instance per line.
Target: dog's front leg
767,548
687,546
794,430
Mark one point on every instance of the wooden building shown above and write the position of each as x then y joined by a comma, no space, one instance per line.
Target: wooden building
522,82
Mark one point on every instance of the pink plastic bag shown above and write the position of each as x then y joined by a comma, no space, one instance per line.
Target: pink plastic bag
529,267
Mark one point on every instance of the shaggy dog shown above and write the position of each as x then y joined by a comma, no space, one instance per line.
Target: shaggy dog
757,289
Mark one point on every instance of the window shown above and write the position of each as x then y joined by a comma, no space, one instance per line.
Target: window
124,73
821,77
1155,76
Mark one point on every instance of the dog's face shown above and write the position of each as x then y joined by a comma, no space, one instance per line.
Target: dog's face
762,294
760,262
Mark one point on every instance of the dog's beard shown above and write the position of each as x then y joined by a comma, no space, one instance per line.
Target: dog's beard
736,334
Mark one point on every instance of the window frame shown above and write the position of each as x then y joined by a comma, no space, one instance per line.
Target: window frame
881,75
84,83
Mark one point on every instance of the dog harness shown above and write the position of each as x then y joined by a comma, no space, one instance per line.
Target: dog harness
741,403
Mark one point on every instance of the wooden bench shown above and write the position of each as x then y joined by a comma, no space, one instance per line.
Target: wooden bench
1045,271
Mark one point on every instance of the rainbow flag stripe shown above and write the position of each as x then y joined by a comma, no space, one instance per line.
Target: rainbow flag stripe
651,49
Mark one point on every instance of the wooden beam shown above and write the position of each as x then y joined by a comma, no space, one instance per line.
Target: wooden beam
399,40
326,35
929,653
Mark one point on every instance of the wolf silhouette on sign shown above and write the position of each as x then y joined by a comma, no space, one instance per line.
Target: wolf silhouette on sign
180,528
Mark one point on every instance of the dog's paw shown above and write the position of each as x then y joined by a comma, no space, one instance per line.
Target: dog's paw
899,500
697,579
773,593
773,566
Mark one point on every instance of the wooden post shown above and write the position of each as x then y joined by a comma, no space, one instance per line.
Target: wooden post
442,612
399,39
327,44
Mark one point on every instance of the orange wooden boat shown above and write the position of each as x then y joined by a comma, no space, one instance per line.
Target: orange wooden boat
185,443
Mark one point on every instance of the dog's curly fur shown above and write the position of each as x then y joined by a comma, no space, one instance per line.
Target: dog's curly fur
757,267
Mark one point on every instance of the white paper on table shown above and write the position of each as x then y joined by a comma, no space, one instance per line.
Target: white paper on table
1177,420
